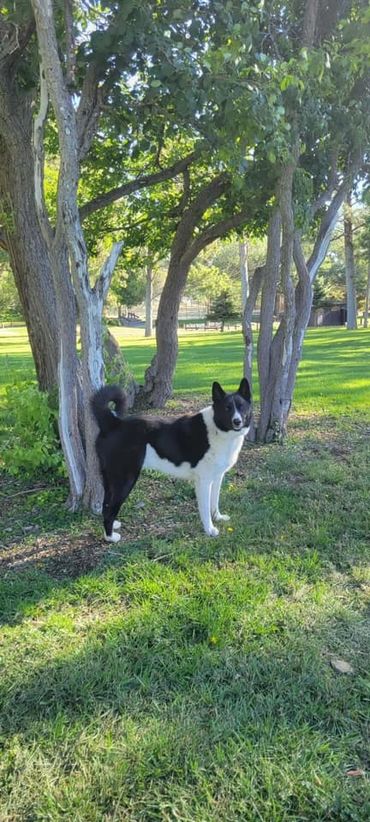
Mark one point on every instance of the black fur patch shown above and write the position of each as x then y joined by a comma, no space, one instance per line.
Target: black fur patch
182,440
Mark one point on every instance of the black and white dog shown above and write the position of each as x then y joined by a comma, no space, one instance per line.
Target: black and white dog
200,447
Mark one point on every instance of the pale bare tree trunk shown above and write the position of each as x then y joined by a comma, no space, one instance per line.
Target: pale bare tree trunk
68,234
350,266
367,299
149,301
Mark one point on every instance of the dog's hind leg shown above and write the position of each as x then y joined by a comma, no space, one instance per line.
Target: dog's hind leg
203,486
117,488
112,505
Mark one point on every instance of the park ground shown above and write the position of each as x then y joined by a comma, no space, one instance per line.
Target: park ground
175,677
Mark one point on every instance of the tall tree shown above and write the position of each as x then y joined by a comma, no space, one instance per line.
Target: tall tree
85,66
318,165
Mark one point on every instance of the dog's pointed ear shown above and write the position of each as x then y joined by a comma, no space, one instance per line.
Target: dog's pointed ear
218,393
244,390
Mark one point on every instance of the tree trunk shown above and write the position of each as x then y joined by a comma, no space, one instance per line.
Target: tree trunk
282,343
243,260
68,234
268,298
71,398
255,287
149,302
28,254
350,266
159,376
367,299
279,356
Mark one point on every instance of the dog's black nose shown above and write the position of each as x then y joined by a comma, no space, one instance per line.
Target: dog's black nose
237,421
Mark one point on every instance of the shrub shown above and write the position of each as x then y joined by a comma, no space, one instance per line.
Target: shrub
32,442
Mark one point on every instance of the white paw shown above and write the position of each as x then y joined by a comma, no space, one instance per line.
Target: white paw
116,525
212,531
221,517
115,537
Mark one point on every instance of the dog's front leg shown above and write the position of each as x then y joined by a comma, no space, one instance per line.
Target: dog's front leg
215,495
203,487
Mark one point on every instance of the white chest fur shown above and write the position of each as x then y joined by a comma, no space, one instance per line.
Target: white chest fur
224,446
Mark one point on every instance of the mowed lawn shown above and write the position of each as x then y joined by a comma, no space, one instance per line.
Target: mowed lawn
174,677
334,375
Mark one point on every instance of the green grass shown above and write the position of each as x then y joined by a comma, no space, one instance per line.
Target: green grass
334,375
178,678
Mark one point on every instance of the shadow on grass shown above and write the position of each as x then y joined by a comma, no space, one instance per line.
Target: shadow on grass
262,696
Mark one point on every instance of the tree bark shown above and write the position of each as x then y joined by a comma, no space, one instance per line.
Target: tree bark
149,301
282,343
350,266
278,357
157,388
255,287
244,281
68,234
28,254
159,376
268,299
367,299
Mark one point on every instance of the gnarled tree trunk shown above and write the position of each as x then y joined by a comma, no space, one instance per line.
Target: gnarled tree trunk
68,235
28,253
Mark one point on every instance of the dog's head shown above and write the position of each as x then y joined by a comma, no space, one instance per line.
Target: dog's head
232,411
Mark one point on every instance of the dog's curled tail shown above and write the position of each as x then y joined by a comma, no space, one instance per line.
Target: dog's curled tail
106,418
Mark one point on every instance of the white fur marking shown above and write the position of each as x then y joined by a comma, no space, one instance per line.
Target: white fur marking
156,463
114,538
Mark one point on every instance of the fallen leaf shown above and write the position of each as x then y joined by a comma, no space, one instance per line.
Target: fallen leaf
355,772
341,666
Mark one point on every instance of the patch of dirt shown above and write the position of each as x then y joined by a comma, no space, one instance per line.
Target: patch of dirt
61,557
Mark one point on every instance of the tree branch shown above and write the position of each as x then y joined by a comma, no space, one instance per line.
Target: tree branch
14,40
213,232
328,222
89,109
38,151
70,43
114,194
103,282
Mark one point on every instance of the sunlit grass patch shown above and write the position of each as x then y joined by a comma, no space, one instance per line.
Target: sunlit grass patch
333,377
